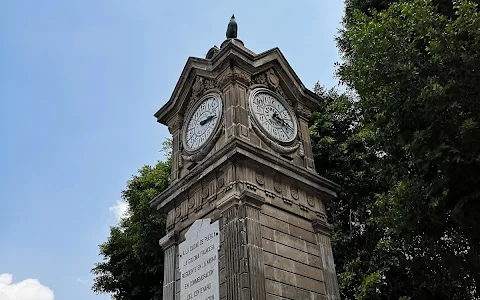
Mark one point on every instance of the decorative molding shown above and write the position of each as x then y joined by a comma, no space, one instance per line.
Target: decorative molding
212,52
310,201
260,79
178,211
205,193
294,193
301,150
200,86
269,194
303,207
321,225
251,186
221,182
169,239
277,186
252,199
270,79
191,202
303,111
232,75
175,125
180,161
260,178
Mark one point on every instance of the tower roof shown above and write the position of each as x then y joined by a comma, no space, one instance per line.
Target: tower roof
233,53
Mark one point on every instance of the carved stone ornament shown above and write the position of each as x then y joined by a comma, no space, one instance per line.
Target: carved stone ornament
191,202
260,79
221,182
310,201
301,150
303,111
234,74
272,78
260,178
321,225
200,86
178,211
277,186
180,161
205,193
303,207
175,125
294,193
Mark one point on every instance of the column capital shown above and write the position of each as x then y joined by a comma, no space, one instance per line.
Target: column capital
171,238
321,226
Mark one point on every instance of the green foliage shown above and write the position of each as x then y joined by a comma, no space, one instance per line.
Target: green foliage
133,262
414,65
345,152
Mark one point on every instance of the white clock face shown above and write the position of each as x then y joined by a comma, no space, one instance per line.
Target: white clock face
273,115
202,122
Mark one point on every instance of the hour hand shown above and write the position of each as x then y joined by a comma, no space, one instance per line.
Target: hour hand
203,122
277,118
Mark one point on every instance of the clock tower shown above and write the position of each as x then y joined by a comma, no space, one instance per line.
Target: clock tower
245,211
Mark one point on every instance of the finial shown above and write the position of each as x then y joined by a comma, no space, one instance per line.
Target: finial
232,28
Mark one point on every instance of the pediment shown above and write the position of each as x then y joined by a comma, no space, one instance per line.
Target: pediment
234,56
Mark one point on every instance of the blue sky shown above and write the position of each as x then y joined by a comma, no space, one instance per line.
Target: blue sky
79,84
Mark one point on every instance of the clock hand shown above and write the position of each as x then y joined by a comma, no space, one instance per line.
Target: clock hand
203,122
277,118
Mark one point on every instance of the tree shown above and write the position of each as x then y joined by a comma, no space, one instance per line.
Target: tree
414,66
133,261
345,152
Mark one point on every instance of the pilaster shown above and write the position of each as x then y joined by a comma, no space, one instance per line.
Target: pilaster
174,127
304,115
234,83
242,251
169,244
323,235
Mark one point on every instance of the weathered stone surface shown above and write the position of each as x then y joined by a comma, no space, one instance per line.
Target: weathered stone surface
293,266
282,226
265,195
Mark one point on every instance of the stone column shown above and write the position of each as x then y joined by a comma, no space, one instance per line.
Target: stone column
323,235
169,244
242,249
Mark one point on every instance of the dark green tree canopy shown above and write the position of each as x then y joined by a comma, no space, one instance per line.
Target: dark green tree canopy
413,65
133,261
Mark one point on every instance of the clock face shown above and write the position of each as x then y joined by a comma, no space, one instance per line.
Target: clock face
273,115
202,122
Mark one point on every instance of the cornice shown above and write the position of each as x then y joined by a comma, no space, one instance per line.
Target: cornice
241,150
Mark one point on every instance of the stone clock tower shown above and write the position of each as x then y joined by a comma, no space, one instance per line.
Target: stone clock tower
245,214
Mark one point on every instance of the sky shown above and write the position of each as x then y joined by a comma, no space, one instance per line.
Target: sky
79,84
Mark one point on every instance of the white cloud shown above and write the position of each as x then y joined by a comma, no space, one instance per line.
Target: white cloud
28,289
120,209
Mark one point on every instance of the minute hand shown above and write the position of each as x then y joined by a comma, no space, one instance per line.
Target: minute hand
277,118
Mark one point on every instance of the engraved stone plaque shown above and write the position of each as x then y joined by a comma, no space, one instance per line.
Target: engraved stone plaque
199,262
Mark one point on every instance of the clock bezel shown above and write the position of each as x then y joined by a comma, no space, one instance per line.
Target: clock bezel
285,104
190,114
